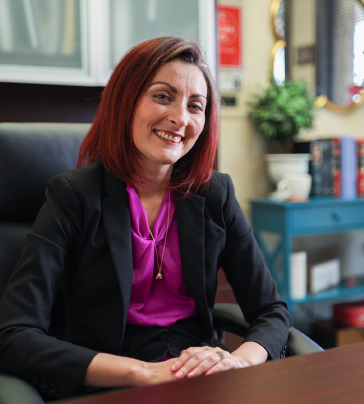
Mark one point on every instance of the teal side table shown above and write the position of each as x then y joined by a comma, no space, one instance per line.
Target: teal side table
284,220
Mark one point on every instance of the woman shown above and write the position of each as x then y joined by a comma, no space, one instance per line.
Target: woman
129,244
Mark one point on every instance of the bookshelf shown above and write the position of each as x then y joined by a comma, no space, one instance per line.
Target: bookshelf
285,220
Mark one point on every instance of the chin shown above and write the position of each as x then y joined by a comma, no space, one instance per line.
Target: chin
169,160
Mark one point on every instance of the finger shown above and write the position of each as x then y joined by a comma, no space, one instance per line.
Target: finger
219,367
205,365
217,362
196,358
231,362
185,357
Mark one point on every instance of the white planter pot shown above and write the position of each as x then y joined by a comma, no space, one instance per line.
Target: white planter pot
280,164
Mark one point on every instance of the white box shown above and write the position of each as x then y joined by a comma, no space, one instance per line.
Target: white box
323,276
298,275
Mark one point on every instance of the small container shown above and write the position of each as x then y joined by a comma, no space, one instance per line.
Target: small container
298,272
351,314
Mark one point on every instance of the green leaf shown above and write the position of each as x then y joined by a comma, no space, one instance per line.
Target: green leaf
282,111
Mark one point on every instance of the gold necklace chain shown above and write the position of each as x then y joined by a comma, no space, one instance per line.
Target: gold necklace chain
159,276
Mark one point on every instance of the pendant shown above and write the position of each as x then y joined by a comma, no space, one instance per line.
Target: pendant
159,277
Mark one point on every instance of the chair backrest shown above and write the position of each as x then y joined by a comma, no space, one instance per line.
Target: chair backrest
30,154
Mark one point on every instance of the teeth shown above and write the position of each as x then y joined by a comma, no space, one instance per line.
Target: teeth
163,135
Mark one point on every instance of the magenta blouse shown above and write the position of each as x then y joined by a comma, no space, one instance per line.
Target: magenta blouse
152,302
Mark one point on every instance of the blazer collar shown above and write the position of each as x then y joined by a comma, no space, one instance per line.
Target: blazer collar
190,221
116,218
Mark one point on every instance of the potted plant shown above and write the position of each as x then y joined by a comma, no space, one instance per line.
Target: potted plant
280,112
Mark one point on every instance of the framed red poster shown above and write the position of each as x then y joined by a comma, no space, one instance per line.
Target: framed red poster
229,26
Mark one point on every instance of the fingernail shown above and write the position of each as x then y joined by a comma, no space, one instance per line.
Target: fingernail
179,375
173,367
181,352
191,374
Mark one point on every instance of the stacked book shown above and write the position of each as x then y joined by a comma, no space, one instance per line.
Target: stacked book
337,167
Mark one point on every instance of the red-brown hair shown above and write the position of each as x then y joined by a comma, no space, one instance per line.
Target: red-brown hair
110,137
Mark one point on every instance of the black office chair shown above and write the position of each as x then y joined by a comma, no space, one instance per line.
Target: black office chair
229,318
30,154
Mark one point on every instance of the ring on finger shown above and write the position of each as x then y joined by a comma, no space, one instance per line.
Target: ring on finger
221,354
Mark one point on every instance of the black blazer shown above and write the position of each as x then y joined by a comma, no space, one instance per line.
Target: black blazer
80,244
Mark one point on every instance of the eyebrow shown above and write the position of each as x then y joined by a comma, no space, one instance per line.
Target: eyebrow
174,89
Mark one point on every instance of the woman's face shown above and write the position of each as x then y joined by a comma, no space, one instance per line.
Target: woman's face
170,115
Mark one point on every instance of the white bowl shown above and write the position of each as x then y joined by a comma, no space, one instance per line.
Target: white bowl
280,164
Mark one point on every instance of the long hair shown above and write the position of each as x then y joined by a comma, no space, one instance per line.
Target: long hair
110,136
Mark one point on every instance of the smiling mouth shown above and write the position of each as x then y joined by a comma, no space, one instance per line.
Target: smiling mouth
163,135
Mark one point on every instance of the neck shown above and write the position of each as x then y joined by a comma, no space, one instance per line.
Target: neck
152,193
157,181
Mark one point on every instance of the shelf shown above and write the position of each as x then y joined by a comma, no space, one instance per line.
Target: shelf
276,223
336,293
313,201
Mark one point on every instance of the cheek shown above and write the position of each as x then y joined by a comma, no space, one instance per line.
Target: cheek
142,123
196,135
199,127
146,114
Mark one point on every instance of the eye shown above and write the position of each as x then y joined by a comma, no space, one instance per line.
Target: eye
162,97
197,106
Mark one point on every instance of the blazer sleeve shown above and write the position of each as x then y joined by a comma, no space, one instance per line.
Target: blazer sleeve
254,288
54,366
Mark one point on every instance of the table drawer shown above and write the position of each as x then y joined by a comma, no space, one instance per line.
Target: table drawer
327,218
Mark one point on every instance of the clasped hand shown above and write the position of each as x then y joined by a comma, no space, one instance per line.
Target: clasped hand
198,361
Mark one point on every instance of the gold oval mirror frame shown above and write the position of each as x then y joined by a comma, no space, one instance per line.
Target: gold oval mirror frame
280,44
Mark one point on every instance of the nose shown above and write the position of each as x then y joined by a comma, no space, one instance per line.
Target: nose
179,116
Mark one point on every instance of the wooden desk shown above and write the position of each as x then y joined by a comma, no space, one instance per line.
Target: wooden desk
332,377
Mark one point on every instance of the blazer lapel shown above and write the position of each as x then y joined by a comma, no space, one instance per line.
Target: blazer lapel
190,220
116,218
